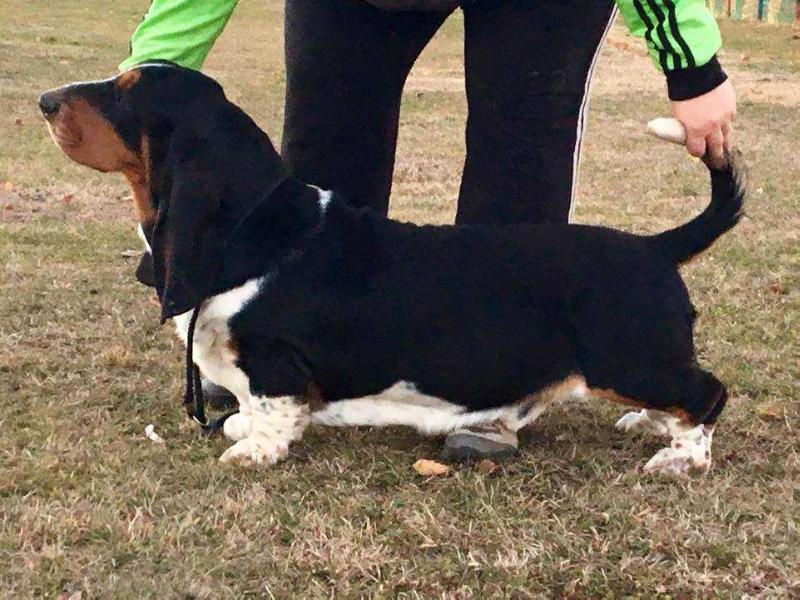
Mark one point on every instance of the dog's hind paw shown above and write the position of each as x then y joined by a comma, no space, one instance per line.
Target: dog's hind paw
255,450
641,422
689,455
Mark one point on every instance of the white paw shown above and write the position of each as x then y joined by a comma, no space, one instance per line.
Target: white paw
680,461
256,450
237,427
640,422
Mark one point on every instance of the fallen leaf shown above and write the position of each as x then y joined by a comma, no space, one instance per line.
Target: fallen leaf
67,198
430,468
486,466
778,288
769,410
428,545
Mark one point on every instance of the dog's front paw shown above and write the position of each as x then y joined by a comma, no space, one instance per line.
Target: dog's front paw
237,427
256,450
640,422
679,460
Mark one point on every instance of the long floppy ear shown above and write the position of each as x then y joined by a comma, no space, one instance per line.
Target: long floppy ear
144,272
186,238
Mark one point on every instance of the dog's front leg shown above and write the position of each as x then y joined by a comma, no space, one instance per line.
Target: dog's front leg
265,427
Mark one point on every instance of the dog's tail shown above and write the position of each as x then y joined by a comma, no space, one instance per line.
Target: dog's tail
728,187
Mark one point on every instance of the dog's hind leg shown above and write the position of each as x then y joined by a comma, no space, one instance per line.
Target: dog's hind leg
681,403
644,421
688,452
692,433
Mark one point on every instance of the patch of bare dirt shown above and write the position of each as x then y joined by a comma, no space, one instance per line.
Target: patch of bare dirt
20,204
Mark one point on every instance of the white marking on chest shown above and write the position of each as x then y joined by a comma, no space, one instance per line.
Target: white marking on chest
211,349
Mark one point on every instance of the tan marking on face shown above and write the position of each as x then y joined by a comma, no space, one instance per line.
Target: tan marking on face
139,179
84,135
128,79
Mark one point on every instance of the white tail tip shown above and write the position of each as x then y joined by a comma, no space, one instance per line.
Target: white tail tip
667,129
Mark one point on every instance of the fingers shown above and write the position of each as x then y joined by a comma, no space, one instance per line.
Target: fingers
710,142
715,143
708,121
696,143
727,133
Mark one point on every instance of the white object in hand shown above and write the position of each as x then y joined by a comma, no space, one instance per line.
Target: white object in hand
150,433
667,129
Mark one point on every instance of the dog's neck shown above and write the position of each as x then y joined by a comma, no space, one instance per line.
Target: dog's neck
267,231
267,214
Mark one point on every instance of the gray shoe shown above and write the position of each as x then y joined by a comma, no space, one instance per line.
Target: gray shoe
493,441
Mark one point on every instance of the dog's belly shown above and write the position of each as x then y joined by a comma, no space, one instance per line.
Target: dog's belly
404,404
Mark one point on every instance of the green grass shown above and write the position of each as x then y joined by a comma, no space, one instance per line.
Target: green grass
88,504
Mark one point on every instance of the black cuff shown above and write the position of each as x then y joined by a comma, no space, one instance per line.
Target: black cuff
684,84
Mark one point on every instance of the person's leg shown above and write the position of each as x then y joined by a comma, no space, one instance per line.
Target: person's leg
528,69
346,64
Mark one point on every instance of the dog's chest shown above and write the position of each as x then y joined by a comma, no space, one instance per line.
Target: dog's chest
213,350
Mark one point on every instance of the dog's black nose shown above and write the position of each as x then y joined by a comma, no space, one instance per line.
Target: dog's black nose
49,104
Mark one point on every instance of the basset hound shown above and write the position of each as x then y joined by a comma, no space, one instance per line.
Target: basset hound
311,311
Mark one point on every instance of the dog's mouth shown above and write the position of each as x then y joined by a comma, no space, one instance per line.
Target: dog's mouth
66,138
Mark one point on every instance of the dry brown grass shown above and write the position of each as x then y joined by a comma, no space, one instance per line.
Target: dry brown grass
88,504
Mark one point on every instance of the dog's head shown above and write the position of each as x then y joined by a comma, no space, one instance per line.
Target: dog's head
194,161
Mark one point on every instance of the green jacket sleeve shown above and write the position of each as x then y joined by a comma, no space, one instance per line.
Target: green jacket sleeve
682,38
182,31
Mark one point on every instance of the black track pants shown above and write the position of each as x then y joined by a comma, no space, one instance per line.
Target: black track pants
528,64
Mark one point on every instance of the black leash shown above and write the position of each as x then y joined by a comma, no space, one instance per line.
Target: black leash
193,400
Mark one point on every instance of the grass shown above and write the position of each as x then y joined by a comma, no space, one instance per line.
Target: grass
89,505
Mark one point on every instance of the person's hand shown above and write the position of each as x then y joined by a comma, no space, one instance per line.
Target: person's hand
708,120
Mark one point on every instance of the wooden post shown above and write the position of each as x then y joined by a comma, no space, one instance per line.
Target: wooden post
796,27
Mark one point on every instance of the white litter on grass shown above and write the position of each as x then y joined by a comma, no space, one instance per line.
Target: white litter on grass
667,129
150,433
